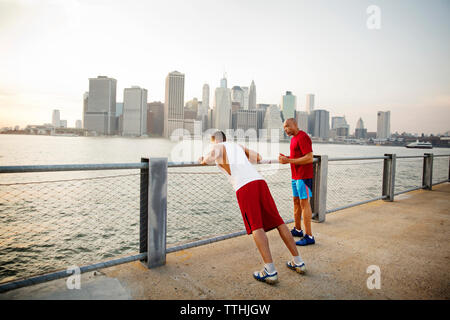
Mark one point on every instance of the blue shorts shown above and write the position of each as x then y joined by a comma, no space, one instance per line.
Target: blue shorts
302,188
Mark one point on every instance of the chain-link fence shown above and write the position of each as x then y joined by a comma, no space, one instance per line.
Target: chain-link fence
408,174
49,224
440,169
353,181
201,202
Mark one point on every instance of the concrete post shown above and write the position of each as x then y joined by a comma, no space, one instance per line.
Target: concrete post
143,203
319,198
427,177
157,212
389,177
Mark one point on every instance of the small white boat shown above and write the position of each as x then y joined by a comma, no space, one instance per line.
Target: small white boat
64,134
420,145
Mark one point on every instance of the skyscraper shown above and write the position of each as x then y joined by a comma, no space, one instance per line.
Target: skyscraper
101,109
78,124
174,103
288,105
319,124
192,105
302,120
203,106
339,127
360,131
383,124
85,105
309,103
56,119
360,124
119,108
252,96
338,122
237,95
222,108
272,126
260,114
205,97
223,82
246,97
155,119
245,119
134,111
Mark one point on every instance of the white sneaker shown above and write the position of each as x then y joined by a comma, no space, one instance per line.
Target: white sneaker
300,268
264,276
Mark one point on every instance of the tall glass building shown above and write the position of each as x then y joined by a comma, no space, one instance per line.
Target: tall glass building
288,105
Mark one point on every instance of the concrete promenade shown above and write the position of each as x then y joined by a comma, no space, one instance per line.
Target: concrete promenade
409,239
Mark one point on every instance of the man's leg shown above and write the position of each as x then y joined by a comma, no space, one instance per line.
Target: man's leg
307,215
269,273
288,240
262,243
296,263
297,213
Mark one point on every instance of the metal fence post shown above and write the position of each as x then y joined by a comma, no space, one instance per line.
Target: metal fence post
427,177
389,177
143,204
319,198
157,212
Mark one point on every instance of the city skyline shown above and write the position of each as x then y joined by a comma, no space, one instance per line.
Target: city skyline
350,69
305,119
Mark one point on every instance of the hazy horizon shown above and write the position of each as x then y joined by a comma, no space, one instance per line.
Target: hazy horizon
50,48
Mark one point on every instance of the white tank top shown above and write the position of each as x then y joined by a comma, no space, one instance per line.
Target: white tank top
242,171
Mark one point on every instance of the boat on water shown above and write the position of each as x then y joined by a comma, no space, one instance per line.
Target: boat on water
64,134
420,145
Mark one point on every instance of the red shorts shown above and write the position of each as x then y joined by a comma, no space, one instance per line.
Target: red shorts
258,207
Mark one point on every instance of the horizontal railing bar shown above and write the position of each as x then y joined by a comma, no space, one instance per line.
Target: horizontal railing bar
62,274
439,182
408,190
72,167
196,164
204,241
357,158
409,157
441,155
355,204
140,165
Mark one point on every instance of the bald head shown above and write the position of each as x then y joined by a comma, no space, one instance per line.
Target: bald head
290,121
290,127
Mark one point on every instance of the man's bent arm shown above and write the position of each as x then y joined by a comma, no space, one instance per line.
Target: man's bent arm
211,157
252,156
306,159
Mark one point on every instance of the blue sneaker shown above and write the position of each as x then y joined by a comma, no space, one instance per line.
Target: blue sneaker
264,276
306,240
296,233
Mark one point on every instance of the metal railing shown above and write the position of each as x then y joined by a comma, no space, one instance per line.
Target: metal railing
158,207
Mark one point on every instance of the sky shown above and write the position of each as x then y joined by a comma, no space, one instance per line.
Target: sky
49,49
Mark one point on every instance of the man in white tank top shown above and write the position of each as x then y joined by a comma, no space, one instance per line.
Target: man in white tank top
257,206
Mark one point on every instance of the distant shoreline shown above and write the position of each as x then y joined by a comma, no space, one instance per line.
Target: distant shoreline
160,137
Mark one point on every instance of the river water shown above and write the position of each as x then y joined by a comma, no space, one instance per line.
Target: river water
50,221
